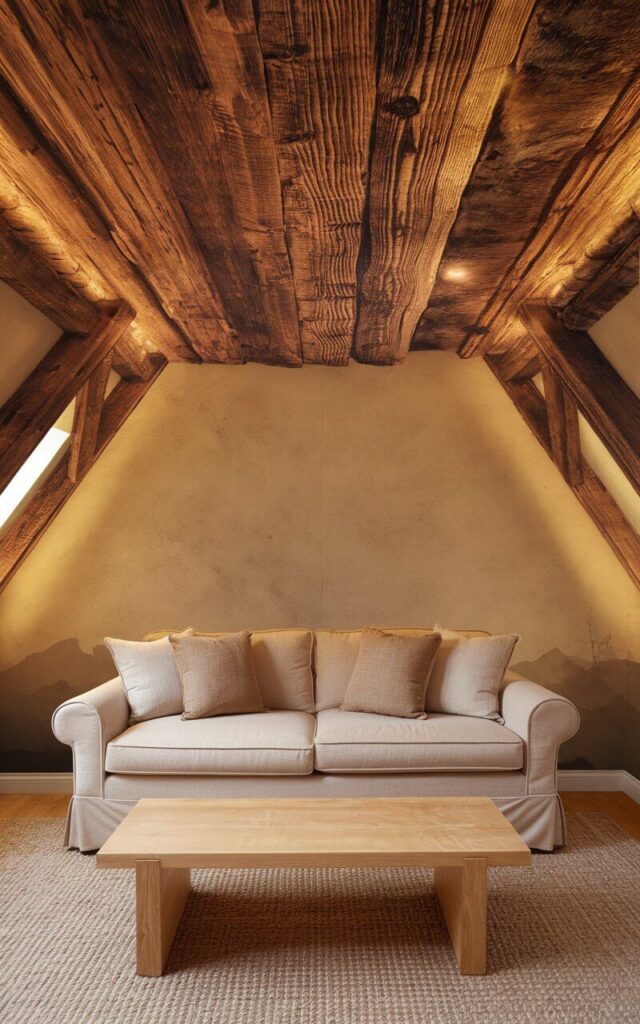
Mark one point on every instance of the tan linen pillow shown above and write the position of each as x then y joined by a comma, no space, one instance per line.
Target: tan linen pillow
391,674
468,674
149,675
217,675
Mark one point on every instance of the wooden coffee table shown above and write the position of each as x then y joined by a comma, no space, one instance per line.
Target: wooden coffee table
457,836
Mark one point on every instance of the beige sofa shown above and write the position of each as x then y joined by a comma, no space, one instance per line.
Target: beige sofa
307,747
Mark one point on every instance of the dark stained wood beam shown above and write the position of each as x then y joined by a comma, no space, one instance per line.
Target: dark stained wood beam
521,362
441,69
195,73
563,426
49,210
36,405
53,66
601,278
320,67
34,279
23,534
608,403
590,492
86,420
572,65
599,191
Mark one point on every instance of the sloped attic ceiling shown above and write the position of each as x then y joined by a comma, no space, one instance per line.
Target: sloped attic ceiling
290,181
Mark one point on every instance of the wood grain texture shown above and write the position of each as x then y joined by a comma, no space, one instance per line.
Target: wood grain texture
161,895
45,289
314,833
441,68
608,403
86,420
563,426
42,398
24,532
462,892
52,63
50,210
195,74
603,276
320,67
599,191
591,492
572,65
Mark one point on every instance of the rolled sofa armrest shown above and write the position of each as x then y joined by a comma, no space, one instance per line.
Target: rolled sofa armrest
87,723
544,720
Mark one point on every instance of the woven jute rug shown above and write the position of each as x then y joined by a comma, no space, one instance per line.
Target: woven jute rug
322,947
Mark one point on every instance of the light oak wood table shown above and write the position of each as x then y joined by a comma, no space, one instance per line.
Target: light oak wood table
457,836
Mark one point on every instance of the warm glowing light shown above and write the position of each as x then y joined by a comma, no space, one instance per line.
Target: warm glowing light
31,471
455,272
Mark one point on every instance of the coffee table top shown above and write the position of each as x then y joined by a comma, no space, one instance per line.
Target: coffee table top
317,832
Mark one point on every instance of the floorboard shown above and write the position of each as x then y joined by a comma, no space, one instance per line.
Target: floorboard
618,806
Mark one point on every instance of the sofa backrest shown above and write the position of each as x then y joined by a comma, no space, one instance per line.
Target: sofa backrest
335,654
289,661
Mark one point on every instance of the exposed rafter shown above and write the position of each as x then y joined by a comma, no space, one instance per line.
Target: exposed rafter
440,72
610,406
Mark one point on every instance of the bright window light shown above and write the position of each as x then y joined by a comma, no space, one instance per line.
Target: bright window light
31,471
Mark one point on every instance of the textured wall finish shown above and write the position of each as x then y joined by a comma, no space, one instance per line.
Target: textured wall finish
253,496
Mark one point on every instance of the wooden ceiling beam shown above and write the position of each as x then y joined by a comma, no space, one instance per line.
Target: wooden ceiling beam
571,67
601,278
42,398
521,362
600,190
86,420
49,58
608,403
23,534
440,72
195,73
590,491
50,211
45,289
320,68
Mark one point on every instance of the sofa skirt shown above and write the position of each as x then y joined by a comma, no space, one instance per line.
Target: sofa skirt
539,820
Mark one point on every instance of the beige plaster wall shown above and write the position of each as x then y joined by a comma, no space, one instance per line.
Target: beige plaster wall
254,496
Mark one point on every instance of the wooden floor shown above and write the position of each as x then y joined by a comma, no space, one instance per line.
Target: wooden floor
620,807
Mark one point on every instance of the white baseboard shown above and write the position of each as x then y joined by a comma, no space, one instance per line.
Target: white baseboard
36,782
610,781
568,781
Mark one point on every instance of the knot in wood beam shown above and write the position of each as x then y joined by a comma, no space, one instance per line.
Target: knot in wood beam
403,106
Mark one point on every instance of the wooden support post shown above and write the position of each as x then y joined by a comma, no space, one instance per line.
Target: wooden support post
86,420
161,895
462,892
563,427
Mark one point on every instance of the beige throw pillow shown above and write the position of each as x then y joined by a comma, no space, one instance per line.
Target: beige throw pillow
217,675
149,675
468,673
391,674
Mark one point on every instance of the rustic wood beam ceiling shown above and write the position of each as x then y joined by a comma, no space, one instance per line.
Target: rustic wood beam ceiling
292,181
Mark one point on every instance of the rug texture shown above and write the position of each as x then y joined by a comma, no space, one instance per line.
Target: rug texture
322,946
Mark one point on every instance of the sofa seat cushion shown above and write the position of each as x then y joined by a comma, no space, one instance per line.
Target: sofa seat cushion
352,741
268,743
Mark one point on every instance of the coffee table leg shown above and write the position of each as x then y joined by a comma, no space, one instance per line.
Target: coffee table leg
161,894
462,892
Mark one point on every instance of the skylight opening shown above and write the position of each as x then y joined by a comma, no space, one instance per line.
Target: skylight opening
31,471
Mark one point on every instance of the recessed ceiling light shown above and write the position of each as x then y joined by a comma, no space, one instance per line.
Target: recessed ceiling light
455,272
